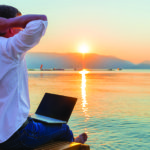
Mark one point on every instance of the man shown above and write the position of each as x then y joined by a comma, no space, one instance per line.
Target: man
18,34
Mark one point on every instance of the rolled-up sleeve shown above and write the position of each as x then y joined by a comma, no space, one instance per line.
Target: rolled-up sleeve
27,38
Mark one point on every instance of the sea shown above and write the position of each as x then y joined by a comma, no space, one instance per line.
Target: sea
113,107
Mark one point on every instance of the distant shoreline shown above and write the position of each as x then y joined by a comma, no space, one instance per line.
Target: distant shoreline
91,71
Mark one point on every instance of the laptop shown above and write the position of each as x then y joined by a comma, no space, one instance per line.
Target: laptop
55,108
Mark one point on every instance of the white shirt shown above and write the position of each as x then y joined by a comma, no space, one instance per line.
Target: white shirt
14,95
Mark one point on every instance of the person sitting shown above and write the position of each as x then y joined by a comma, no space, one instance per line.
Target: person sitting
18,34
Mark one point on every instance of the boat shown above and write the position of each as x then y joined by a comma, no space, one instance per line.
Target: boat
54,69
119,69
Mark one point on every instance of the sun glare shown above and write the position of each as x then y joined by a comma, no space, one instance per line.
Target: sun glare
84,71
83,48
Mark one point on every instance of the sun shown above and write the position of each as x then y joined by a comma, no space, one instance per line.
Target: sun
84,48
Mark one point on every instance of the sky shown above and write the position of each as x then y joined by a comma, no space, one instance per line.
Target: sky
119,28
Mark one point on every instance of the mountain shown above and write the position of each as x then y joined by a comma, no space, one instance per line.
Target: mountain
144,65
75,60
146,62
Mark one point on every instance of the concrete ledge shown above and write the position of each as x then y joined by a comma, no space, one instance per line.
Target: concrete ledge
64,146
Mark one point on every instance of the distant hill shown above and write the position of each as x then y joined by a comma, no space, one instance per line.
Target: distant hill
146,62
144,65
74,60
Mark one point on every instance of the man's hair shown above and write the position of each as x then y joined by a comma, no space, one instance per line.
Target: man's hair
8,11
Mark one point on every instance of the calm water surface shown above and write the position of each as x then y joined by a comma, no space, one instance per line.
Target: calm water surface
113,107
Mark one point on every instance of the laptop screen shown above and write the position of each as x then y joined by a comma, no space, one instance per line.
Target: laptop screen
56,106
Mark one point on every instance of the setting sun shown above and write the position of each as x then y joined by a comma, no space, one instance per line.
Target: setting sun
84,48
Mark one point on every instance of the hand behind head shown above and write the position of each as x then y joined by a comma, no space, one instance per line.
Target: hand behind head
4,26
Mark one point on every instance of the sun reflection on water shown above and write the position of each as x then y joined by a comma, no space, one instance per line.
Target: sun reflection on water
83,91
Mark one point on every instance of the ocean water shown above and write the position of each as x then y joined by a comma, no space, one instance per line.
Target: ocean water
113,107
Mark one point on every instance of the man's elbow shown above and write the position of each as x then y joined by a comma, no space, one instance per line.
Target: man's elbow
44,17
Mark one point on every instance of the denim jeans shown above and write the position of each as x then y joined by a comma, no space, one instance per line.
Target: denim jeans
35,134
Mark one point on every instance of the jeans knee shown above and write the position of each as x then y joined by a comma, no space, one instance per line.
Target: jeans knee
66,127
68,132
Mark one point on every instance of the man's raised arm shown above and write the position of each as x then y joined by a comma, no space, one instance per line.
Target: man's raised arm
20,21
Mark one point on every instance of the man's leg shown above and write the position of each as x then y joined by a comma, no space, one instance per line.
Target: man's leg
37,133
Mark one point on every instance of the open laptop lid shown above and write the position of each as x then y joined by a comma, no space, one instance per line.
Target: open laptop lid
56,106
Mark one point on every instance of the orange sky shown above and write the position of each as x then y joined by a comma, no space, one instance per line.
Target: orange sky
116,28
